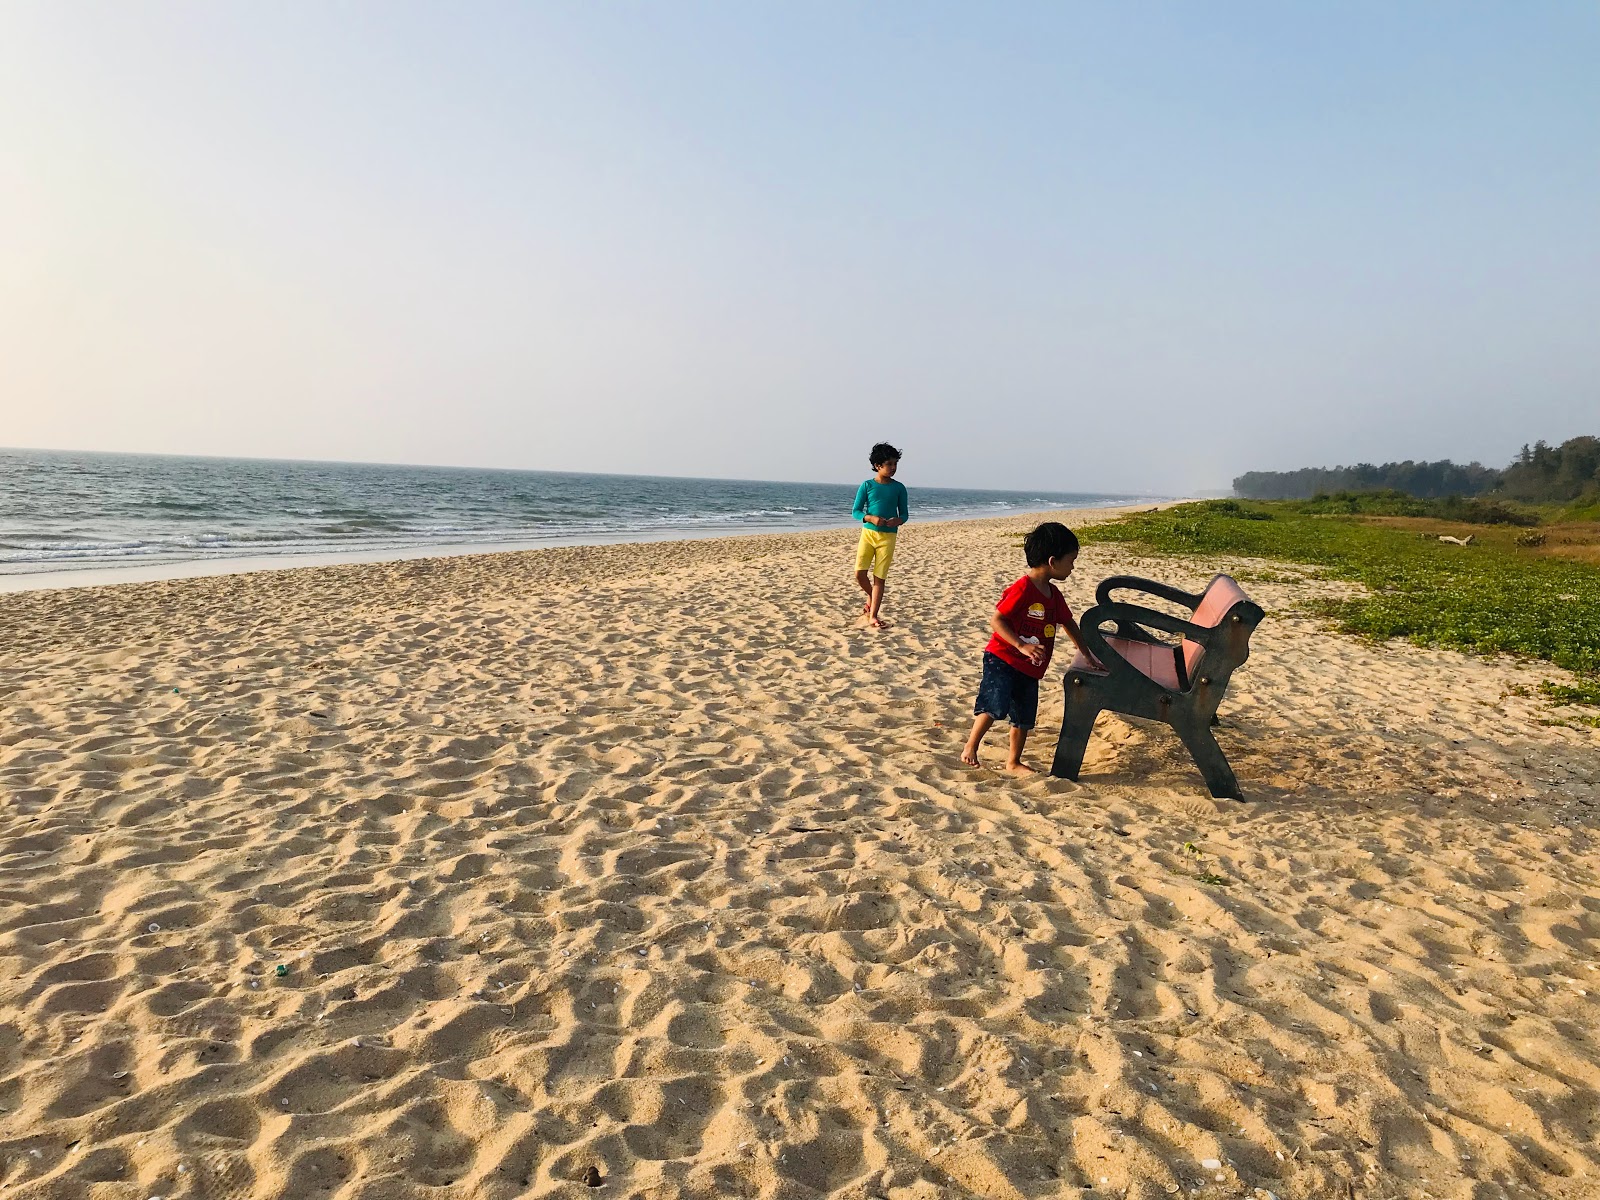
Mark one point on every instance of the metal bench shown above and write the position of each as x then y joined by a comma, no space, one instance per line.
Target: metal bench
1179,684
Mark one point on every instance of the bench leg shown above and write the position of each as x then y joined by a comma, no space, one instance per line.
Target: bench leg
1077,723
1208,756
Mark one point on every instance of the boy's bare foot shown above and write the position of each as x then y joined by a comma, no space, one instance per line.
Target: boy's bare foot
969,756
1019,768
875,622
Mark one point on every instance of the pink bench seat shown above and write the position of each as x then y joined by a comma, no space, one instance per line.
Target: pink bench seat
1148,658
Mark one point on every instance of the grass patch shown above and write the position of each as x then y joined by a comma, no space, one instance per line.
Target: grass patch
1583,722
1587,691
1580,510
1469,511
1490,597
1270,577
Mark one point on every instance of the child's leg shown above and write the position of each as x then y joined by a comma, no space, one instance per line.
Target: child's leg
882,556
865,553
980,726
994,701
1019,739
1024,711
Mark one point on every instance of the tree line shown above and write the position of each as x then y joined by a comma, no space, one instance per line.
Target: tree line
1540,473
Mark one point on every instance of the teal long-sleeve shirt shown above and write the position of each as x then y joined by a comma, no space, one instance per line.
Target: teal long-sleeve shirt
880,500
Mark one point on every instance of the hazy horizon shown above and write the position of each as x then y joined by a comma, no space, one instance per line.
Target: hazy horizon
847,477
852,479
1074,248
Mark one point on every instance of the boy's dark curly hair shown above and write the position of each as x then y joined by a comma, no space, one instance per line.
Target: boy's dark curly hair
1050,540
882,453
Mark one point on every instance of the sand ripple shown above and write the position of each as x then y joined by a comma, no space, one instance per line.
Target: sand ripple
458,878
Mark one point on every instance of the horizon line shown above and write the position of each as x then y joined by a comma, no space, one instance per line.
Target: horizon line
343,462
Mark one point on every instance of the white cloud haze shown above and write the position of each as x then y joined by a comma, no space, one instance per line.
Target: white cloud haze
1073,247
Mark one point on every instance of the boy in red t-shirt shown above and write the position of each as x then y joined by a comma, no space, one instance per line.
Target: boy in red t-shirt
1025,623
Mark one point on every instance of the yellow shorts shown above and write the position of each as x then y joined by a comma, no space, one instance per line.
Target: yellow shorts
875,551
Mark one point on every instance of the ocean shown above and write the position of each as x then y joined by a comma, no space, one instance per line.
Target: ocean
64,511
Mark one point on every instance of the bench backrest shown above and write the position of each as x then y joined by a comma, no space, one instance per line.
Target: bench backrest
1218,600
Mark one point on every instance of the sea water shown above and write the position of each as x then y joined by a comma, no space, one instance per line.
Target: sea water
62,511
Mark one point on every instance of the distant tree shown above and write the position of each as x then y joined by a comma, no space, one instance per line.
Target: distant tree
1540,473
1428,480
1548,473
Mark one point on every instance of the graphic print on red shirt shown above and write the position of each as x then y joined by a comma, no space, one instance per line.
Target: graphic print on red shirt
1031,614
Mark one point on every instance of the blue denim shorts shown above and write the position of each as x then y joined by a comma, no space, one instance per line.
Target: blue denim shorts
1006,693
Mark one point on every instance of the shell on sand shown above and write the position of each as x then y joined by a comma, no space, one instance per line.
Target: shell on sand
649,861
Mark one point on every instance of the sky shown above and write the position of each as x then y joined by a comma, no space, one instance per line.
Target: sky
1134,247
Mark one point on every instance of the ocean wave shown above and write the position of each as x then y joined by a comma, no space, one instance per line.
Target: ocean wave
181,506
78,510
65,555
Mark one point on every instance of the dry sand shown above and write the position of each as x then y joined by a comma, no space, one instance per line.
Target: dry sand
457,878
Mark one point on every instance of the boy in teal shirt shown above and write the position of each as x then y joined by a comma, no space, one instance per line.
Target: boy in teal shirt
881,508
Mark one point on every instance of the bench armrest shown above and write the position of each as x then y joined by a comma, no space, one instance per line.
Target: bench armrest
1102,594
1137,614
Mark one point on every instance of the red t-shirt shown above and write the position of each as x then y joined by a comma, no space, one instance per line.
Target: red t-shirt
1031,614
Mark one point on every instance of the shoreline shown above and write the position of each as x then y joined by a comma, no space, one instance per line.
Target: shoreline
99,575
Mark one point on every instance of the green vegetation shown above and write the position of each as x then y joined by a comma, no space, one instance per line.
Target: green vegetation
1398,504
1540,474
1582,510
1587,691
1491,596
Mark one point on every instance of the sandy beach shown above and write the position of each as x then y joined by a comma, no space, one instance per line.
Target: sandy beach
646,865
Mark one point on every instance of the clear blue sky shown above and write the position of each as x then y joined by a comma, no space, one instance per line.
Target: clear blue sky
1108,246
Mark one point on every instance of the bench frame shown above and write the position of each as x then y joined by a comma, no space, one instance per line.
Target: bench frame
1123,688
